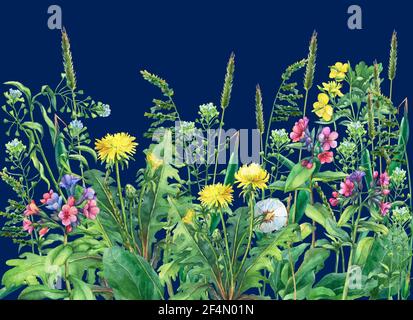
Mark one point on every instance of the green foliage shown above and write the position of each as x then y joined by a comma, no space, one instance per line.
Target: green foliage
130,276
262,256
298,176
190,255
163,111
152,212
286,101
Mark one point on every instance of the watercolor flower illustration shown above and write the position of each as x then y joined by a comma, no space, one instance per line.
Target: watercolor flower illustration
325,190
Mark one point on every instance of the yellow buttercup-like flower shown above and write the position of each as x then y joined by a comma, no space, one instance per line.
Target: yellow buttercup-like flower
216,196
252,176
333,88
153,161
115,147
189,217
338,71
322,108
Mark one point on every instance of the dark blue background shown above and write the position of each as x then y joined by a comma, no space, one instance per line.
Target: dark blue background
188,43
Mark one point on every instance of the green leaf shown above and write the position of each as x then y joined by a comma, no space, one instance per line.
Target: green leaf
313,262
372,226
189,249
297,177
363,250
328,176
5,291
87,150
46,90
321,293
402,144
61,155
26,91
26,270
346,215
59,255
232,168
262,256
34,126
334,230
81,290
39,167
232,164
286,162
50,125
303,199
80,158
154,209
130,276
366,164
237,228
103,186
41,292
318,213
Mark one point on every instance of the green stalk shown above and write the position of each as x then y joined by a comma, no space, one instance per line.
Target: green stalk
299,159
224,230
353,244
267,136
292,272
337,261
122,203
78,142
221,123
251,207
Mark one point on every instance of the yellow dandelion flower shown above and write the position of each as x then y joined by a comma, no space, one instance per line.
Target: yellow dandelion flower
189,216
252,176
217,196
153,160
333,88
338,71
115,147
322,108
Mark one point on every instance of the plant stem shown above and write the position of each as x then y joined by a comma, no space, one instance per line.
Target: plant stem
251,207
390,97
292,272
221,123
353,244
337,261
299,159
122,203
343,260
224,230
270,119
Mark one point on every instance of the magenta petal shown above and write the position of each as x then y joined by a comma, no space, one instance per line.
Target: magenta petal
326,131
321,137
326,146
333,136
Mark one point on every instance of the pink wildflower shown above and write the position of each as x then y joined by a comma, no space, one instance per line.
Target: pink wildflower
43,231
69,212
326,157
346,188
328,139
28,226
91,210
31,209
299,129
385,192
307,164
384,179
334,200
384,208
